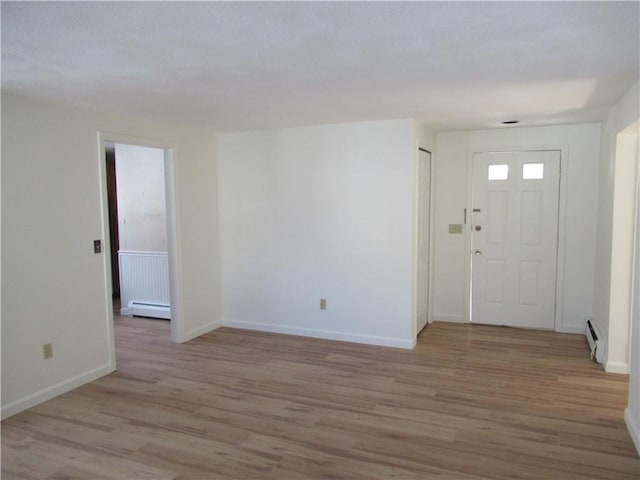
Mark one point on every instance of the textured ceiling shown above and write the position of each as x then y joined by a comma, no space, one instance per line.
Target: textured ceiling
236,65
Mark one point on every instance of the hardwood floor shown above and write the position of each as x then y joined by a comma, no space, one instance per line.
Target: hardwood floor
468,403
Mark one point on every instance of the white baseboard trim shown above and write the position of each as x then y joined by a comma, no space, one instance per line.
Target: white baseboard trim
48,393
634,428
145,310
447,317
326,334
616,367
196,332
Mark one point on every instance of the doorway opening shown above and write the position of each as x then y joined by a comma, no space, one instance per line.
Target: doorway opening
139,229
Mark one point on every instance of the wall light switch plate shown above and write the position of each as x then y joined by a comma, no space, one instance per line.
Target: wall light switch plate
47,351
97,246
323,304
455,228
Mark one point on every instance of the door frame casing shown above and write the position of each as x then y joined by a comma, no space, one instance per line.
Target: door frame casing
562,224
177,323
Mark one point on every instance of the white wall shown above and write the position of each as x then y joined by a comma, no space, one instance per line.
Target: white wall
424,137
53,285
580,148
623,114
320,212
142,213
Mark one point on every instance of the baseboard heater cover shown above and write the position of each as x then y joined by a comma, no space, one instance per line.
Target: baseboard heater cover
148,310
144,284
596,341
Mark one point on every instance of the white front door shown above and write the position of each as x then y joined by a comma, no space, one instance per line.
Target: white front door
514,225
422,257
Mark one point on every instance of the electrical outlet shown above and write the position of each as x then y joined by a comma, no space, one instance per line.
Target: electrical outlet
323,304
455,228
47,351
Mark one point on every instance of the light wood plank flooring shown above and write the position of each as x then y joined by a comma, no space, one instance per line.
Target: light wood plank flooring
469,403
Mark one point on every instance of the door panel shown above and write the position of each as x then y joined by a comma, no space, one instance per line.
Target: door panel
529,283
530,218
497,215
494,281
514,238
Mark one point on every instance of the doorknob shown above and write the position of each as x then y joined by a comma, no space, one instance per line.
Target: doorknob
477,252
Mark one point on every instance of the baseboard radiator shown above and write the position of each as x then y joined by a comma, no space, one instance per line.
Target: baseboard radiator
596,341
144,284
